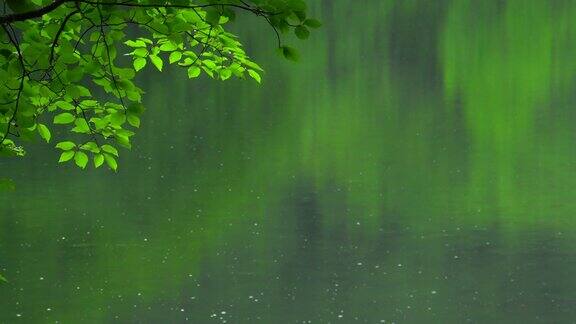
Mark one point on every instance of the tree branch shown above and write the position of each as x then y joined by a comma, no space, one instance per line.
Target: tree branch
31,14
14,41
57,3
60,30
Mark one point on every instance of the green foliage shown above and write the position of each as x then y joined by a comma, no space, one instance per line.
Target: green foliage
312,23
302,32
62,66
290,53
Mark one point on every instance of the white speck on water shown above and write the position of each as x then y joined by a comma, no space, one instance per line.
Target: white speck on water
400,264
433,292
181,309
41,278
359,263
18,315
48,309
223,312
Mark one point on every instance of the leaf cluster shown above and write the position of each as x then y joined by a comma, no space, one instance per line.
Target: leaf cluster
69,66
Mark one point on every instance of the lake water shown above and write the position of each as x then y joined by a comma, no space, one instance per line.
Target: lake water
417,166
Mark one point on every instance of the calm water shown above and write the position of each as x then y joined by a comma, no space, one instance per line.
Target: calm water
418,166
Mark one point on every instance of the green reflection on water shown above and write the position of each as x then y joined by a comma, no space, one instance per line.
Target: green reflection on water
417,166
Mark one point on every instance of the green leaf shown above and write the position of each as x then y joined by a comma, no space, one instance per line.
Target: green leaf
139,63
255,75
66,156
136,108
312,23
110,149
209,64
98,160
175,57
212,16
145,40
136,43
81,159
133,120
76,91
75,74
140,52
300,14
302,32
227,12
6,53
64,118
65,105
118,118
90,146
66,145
168,47
20,6
81,126
123,140
44,132
290,53
3,279
225,74
193,71
111,161
157,61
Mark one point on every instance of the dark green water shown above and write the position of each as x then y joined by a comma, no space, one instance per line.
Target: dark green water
418,166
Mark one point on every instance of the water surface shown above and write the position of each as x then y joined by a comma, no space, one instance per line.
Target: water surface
418,166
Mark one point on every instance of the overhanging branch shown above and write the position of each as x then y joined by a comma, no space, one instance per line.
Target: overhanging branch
57,3
31,14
